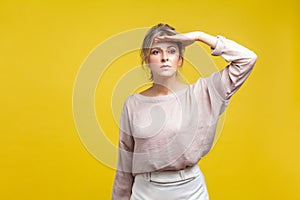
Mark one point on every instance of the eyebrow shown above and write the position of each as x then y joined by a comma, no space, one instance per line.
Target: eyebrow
161,48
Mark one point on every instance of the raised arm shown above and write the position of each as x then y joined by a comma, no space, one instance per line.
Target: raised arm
227,81
241,59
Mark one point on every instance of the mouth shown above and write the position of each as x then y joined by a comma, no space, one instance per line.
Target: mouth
165,66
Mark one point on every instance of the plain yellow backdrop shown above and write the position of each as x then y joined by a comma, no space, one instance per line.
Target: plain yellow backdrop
44,43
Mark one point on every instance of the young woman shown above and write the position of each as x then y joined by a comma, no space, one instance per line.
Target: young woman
166,129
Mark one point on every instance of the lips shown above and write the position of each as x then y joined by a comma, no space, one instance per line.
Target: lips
165,66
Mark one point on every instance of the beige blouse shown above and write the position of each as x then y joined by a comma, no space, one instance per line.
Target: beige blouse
175,131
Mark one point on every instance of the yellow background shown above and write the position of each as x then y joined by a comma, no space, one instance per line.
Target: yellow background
43,44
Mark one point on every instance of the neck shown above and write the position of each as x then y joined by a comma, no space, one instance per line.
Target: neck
166,85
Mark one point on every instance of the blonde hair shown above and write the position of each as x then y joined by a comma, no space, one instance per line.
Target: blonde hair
158,30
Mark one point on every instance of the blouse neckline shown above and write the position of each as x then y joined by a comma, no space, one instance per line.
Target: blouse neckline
162,97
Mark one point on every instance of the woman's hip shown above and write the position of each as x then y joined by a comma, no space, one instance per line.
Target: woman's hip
183,184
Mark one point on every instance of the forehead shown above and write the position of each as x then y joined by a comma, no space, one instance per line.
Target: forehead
164,45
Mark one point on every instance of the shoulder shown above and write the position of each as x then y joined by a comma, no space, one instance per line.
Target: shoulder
200,83
129,100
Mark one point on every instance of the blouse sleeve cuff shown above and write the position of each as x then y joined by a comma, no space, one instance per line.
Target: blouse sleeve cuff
219,47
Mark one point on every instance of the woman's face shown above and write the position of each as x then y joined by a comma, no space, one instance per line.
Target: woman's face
164,59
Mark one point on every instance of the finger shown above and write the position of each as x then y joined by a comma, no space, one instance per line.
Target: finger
165,38
159,38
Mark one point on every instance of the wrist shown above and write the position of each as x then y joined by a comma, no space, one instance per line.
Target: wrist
199,36
207,39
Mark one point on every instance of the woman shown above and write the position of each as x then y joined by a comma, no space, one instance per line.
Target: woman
168,128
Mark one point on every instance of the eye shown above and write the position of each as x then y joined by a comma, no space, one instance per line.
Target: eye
172,51
154,52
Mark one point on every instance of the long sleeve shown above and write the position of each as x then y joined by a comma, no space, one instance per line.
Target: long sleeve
124,178
227,81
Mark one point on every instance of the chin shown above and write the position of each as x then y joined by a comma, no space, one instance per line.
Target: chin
167,74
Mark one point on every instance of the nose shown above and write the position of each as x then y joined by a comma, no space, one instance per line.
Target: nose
164,57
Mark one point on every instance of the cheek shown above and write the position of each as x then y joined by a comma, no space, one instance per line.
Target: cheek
175,59
153,59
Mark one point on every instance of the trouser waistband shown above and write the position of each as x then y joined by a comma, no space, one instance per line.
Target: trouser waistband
173,176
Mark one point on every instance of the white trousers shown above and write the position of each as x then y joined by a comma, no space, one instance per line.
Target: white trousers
187,184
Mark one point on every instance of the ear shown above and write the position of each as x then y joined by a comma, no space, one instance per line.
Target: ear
180,62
